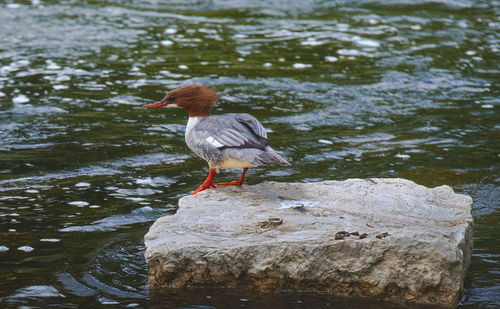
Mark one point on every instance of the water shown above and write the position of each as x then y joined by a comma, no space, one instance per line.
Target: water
346,88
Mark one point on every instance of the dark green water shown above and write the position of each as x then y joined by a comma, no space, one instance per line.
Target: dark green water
346,88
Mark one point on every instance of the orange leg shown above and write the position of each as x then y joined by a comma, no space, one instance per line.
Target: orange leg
238,182
208,182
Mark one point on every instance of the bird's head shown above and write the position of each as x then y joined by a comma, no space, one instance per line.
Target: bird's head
197,100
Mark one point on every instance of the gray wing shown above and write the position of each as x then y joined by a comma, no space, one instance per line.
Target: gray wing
234,131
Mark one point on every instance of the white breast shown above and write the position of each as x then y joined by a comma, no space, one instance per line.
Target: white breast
192,122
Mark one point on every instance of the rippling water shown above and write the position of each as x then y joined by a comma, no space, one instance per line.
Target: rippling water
346,88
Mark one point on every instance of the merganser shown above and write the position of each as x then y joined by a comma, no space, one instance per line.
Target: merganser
224,141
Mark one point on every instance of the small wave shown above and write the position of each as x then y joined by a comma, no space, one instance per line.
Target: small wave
143,214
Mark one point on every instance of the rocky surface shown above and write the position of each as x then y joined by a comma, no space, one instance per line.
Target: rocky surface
384,238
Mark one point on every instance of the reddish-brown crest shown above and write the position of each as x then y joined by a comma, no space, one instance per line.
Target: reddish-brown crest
197,100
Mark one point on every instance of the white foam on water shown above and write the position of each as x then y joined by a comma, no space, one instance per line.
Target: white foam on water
170,31
167,43
63,78
208,31
145,181
3,198
402,156
20,99
301,65
135,199
4,248
60,87
51,65
349,52
367,43
79,203
50,240
26,248
312,42
171,75
155,182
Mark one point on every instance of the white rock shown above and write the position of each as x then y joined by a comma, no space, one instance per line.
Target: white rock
82,184
4,248
252,237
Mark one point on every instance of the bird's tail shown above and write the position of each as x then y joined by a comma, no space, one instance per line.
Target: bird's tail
269,155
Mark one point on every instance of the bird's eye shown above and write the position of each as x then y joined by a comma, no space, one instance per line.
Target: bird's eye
171,99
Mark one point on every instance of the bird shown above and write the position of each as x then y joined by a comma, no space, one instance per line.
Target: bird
235,140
